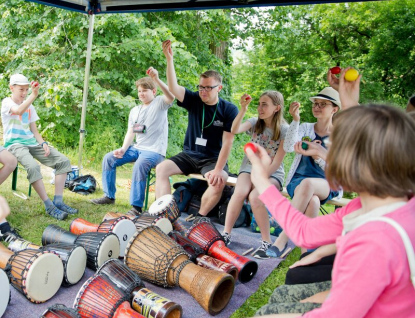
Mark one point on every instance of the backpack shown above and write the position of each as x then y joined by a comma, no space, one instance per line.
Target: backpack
244,218
83,185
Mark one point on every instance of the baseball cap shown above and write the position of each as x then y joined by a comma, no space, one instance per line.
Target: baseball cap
19,79
329,94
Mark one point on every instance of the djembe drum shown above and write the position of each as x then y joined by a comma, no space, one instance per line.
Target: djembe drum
34,273
60,311
167,206
101,298
73,258
157,258
116,215
4,292
205,234
144,301
197,255
122,226
146,220
99,247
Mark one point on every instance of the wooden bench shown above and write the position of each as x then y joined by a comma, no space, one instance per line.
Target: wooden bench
232,182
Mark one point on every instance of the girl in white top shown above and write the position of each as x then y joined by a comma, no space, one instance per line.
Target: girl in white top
267,130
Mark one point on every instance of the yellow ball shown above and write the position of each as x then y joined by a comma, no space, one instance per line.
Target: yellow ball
351,75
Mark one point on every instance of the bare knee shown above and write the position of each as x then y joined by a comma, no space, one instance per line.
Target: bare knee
305,187
254,200
313,207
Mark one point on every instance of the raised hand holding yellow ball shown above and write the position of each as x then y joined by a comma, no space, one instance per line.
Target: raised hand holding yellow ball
351,75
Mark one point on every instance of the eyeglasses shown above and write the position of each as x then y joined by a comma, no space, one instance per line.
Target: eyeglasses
320,105
206,88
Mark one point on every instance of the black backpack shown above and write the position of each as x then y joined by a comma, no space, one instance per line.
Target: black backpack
244,218
83,185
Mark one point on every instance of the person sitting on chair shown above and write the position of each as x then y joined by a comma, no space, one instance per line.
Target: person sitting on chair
148,124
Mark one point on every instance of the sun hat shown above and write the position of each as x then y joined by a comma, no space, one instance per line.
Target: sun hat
329,94
19,79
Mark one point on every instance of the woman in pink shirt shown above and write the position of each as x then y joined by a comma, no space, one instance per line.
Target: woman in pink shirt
371,153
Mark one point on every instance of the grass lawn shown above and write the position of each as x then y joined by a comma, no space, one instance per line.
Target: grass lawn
30,218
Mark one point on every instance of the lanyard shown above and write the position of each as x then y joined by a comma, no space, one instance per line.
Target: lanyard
203,117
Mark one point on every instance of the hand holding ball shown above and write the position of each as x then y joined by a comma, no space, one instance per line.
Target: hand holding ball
35,84
248,97
251,146
335,70
351,75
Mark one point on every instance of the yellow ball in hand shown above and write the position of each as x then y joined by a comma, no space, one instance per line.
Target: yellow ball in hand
351,75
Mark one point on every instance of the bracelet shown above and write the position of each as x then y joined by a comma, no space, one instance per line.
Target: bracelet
45,142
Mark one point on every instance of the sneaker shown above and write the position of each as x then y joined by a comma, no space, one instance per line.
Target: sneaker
134,212
7,233
103,200
66,208
273,251
261,252
56,213
227,238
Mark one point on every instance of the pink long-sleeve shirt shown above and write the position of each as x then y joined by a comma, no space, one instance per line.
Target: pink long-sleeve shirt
371,276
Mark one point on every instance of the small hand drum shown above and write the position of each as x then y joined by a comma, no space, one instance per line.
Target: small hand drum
157,258
99,247
167,206
100,298
205,234
197,255
4,292
60,311
123,277
74,261
36,274
146,220
151,305
122,226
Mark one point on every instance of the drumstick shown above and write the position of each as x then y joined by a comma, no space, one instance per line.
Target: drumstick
286,252
190,218
253,253
247,251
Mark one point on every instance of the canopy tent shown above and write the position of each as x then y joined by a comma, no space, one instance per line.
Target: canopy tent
93,7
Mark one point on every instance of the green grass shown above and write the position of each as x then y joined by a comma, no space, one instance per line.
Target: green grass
30,218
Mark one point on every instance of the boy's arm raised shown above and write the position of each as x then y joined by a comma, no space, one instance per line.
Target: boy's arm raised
20,109
168,96
177,90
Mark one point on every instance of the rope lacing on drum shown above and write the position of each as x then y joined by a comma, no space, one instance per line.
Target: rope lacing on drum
177,270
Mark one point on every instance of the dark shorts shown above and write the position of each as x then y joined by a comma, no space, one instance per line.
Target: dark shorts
279,186
295,182
190,165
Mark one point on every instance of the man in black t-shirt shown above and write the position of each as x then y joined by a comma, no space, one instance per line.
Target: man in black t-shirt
208,139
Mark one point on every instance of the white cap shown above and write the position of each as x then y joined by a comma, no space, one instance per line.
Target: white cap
19,79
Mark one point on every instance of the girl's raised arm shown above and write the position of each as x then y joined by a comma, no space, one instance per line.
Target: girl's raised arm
237,126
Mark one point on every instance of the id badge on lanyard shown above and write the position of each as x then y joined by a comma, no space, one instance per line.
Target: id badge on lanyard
200,141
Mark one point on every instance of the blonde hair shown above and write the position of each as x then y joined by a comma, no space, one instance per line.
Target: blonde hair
214,74
277,119
146,83
372,151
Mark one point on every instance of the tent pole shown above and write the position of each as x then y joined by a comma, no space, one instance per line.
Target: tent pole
85,93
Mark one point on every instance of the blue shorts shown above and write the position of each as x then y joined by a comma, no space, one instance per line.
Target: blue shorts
295,182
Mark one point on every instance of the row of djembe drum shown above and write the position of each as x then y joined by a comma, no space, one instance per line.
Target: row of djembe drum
151,250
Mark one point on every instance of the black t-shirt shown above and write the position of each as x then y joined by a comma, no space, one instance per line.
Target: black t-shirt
225,114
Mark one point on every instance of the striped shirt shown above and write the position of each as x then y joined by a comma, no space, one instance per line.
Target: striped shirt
16,128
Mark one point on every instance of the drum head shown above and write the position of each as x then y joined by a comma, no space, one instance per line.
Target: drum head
109,248
4,292
164,225
75,265
44,277
124,229
160,204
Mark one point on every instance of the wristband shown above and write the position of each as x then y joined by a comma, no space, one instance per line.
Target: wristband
45,142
